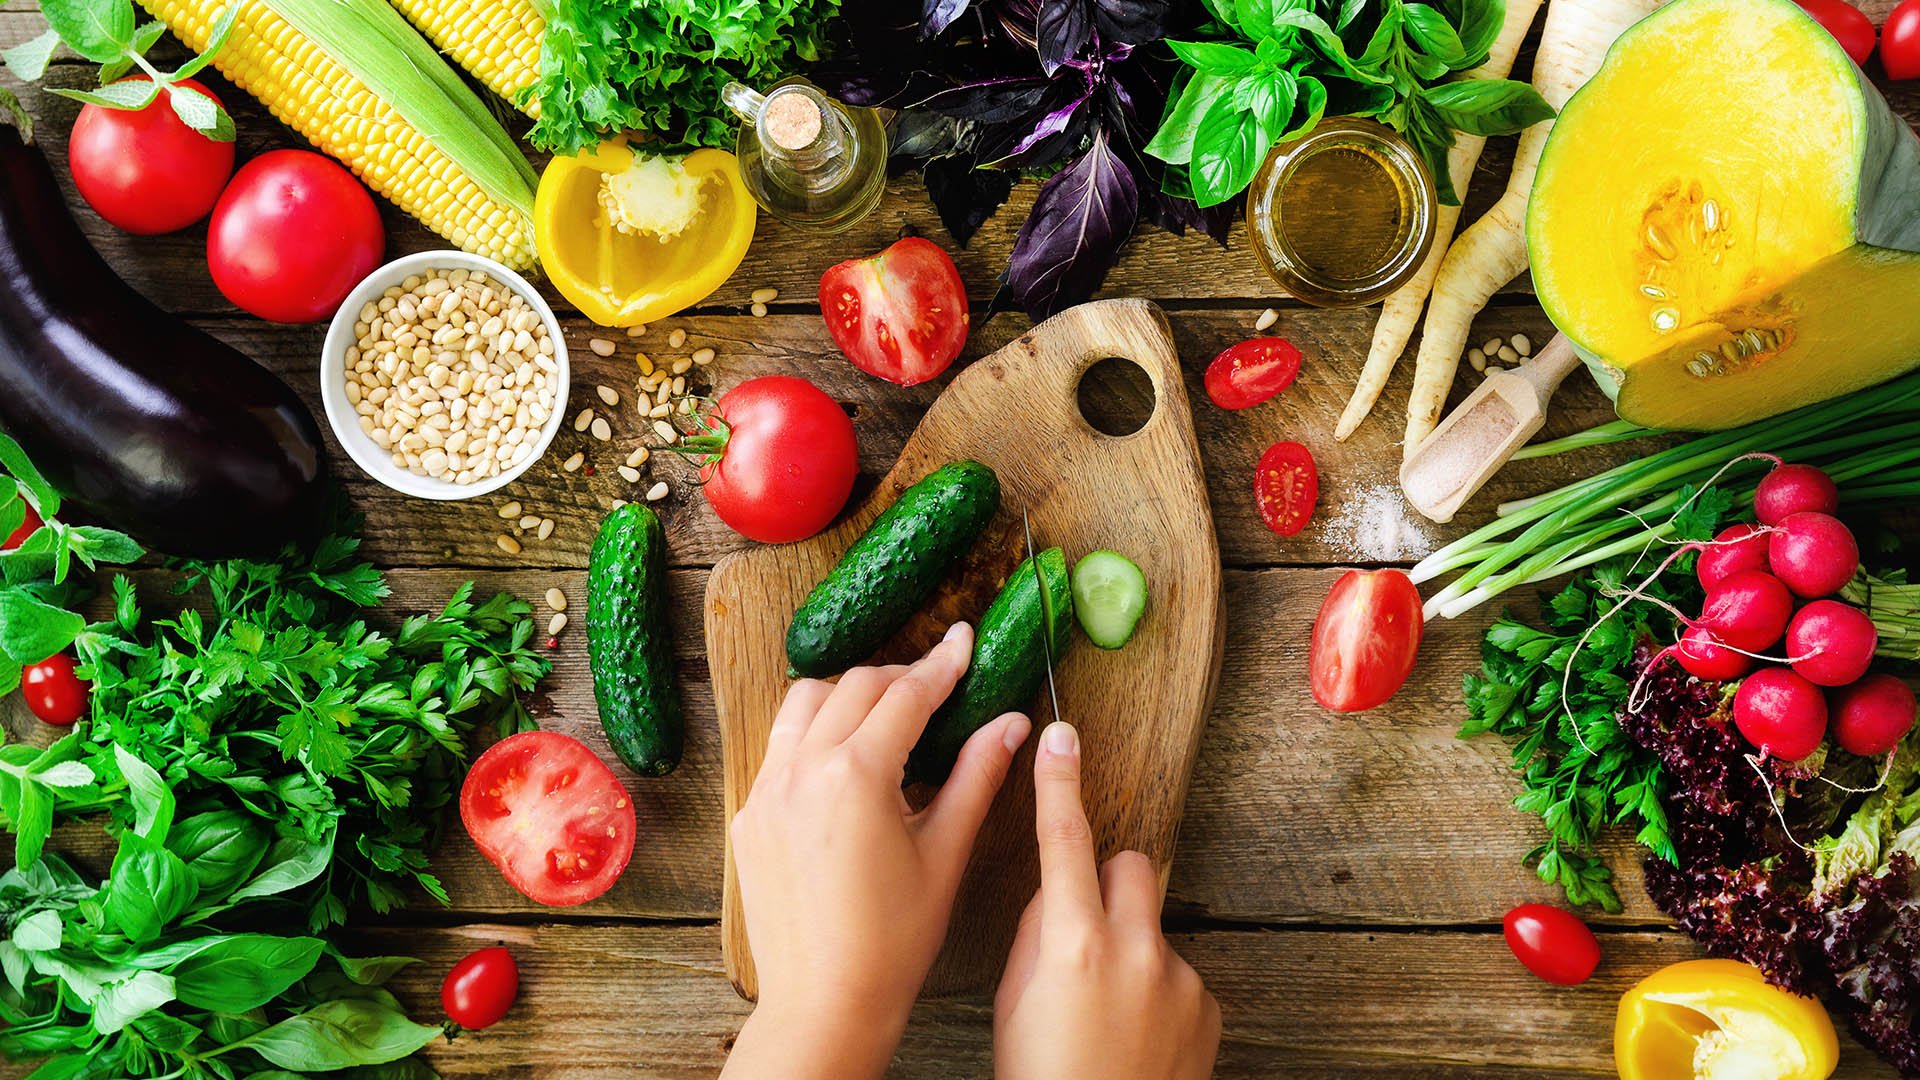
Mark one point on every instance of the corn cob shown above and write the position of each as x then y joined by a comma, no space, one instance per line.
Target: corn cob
497,41
311,92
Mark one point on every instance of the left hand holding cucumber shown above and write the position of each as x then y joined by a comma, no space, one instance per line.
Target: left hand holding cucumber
848,891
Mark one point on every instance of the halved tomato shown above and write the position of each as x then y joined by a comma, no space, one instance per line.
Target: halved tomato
1365,639
1251,372
551,815
1286,485
901,314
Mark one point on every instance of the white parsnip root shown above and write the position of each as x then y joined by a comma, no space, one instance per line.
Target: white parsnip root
1400,312
1493,251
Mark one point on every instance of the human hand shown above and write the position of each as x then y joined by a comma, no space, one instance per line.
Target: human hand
847,891
1092,990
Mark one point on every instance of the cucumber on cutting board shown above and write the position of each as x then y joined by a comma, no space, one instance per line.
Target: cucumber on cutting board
1009,662
628,643
892,569
1109,596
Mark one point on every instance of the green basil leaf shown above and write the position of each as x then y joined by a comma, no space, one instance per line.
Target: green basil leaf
129,94
1214,57
1261,18
1349,11
28,60
1228,150
1479,23
1488,106
14,460
13,967
149,795
1431,31
1173,143
1313,94
1385,39
166,1032
1223,10
222,848
147,889
119,1003
38,932
341,1034
99,30
369,970
1270,97
244,971
290,863
65,1067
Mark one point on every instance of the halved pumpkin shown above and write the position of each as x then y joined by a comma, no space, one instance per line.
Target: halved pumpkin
1726,219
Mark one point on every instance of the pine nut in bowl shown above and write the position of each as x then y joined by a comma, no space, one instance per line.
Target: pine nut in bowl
444,375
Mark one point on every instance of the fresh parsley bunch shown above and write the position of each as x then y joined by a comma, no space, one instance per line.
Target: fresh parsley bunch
1267,70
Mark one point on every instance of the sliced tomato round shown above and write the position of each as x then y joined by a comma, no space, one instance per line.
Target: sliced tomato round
1365,639
1285,487
551,815
901,314
1251,372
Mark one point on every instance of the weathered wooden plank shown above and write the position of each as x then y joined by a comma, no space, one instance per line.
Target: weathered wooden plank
1296,1004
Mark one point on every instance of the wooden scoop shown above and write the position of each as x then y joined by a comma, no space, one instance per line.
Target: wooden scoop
1473,442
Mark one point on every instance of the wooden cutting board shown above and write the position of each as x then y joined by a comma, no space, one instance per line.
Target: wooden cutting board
1140,710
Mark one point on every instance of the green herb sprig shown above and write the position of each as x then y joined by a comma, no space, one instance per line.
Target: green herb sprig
109,33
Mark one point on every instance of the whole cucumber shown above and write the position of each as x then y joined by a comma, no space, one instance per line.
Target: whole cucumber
629,645
1010,657
892,569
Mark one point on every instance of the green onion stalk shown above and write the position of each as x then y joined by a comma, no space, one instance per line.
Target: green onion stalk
1894,606
1869,442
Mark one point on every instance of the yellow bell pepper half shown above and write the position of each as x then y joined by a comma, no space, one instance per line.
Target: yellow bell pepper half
1720,1020
620,278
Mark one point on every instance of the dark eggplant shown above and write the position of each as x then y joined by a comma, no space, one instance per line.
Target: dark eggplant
144,422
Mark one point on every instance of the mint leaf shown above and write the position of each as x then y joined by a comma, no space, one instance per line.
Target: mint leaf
100,30
28,60
128,94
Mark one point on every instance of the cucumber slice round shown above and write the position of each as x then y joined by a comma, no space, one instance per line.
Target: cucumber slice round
1109,596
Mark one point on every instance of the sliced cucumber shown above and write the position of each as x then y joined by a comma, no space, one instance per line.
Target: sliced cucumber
1109,596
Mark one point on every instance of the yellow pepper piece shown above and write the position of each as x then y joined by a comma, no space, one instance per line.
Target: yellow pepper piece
618,278
1720,1020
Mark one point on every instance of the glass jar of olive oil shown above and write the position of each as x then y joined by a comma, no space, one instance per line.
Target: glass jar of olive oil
1342,215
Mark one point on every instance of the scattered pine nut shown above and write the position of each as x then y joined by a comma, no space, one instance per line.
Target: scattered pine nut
686,407
759,311
679,385
546,528
556,599
1478,359
659,411
509,510
1267,319
765,296
1492,346
682,366
1506,353
573,463
1521,345
607,394
556,624
600,346
637,330
645,362
677,338
630,474
702,357
581,422
618,503
601,429
638,457
666,431
507,544
657,492
529,521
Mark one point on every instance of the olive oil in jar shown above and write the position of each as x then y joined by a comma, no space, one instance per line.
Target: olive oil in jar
1343,215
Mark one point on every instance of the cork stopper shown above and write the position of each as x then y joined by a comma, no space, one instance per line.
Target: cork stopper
792,120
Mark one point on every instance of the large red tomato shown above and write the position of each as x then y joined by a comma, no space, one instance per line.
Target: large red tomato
550,815
1365,639
784,459
145,170
294,233
901,314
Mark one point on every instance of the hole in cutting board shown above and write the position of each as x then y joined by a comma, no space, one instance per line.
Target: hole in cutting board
1116,396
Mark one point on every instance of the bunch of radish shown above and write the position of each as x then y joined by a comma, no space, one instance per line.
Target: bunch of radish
1771,584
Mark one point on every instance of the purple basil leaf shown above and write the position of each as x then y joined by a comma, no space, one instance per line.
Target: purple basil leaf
921,135
937,15
1052,124
1177,214
1063,32
1132,22
965,196
1081,217
993,101
1056,128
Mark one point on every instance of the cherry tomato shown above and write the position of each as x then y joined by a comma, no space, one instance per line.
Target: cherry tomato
1900,41
1285,487
1251,372
481,988
1365,639
1552,943
901,314
550,815
26,529
294,233
786,459
55,694
1848,25
145,170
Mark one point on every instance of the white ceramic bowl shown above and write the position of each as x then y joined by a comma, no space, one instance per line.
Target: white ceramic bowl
367,454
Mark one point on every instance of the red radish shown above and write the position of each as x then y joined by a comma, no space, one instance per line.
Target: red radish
1794,489
1813,554
1748,611
1704,657
1737,548
1871,716
1781,713
1830,643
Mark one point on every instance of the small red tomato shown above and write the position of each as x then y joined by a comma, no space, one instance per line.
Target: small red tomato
783,459
1552,943
1365,639
294,233
1285,487
901,314
26,529
55,694
1848,25
481,988
1900,41
145,170
1251,372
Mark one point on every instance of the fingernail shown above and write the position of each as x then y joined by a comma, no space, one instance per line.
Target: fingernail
1060,738
1016,734
955,631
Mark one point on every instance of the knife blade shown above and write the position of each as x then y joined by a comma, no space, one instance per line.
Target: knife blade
1046,612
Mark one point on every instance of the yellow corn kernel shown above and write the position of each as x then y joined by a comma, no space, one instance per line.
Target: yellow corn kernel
497,41
310,92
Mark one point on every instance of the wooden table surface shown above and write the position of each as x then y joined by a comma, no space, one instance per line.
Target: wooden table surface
1339,880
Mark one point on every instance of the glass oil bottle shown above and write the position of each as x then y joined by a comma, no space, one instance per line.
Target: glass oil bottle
807,158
